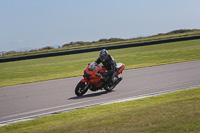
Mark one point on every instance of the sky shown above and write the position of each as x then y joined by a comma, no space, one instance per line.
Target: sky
33,24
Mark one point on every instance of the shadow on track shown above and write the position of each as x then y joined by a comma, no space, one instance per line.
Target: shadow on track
89,95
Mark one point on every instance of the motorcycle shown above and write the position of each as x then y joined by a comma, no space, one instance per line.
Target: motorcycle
94,80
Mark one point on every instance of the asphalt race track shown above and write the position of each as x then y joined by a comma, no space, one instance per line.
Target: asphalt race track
26,101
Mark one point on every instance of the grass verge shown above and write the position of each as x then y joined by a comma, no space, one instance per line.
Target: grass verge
34,70
176,112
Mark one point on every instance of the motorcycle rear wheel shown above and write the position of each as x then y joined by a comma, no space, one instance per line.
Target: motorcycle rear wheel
81,88
109,88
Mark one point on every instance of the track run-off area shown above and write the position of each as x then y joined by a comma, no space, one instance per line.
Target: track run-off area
29,101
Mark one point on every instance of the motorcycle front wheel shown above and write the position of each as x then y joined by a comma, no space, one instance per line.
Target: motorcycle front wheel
81,88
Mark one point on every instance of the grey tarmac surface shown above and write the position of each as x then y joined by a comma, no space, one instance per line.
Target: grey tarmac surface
55,96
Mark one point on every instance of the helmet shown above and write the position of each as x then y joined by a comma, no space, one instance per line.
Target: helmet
103,55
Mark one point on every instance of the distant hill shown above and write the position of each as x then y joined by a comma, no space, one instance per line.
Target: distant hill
100,42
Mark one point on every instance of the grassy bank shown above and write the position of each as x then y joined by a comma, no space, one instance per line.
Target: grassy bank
176,112
34,70
105,42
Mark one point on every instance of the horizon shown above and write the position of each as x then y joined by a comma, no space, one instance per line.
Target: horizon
57,46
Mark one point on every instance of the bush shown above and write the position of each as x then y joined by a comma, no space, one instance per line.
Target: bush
46,48
10,52
179,31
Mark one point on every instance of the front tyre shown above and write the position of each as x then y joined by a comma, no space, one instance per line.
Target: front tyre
81,88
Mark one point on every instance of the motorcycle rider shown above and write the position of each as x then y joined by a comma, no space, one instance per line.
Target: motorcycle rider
109,62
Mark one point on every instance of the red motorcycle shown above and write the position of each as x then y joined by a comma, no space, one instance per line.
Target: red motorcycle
94,80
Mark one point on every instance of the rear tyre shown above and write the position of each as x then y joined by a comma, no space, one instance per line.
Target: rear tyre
109,87
81,88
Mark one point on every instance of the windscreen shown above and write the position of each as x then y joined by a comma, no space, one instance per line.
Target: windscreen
92,66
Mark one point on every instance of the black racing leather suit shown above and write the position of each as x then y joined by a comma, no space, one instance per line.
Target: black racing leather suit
110,64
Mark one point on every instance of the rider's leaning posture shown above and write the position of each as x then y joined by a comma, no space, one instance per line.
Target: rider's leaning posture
109,62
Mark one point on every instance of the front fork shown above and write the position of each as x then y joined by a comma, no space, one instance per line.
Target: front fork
85,80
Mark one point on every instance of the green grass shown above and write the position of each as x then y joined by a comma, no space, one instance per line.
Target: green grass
176,112
26,71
